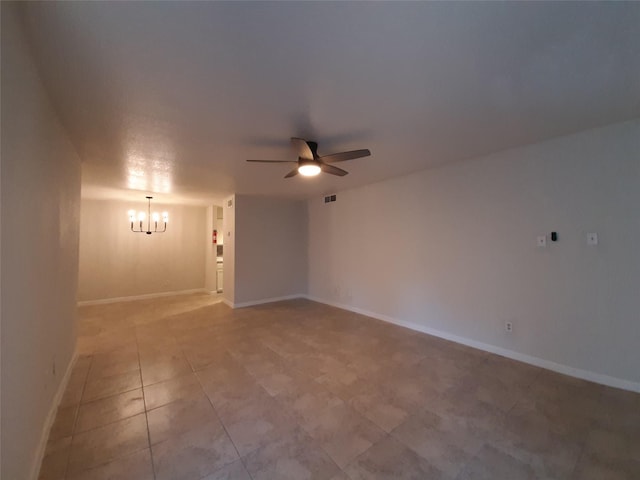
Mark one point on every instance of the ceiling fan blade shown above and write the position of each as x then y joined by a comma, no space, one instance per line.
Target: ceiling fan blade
273,161
292,173
341,157
301,148
332,170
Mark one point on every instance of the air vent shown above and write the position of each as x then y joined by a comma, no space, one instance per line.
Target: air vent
329,198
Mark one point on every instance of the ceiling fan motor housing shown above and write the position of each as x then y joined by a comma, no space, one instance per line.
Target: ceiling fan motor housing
313,146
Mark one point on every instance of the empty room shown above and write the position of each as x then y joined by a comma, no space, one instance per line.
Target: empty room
320,240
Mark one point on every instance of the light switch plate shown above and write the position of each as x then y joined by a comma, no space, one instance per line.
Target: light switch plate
592,239
542,241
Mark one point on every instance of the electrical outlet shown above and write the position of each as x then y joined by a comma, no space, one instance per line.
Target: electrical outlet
542,241
508,327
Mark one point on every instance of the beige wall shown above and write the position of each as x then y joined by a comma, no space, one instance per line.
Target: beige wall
229,233
453,250
270,248
210,251
40,215
115,262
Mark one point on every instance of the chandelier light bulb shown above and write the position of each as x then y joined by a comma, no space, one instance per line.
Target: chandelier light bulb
139,227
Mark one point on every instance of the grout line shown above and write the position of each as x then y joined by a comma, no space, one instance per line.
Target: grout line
144,403
77,414
215,411
224,428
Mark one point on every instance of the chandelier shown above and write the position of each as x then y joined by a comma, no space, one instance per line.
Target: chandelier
138,218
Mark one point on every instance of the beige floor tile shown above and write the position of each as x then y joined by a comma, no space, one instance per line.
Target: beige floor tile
542,417
346,384
255,424
611,450
122,359
491,389
56,457
193,454
233,471
340,476
291,457
202,353
161,369
572,394
594,467
621,411
73,393
81,367
110,409
63,423
136,466
381,410
179,417
107,341
390,460
549,447
491,463
481,419
229,385
107,386
448,443
177,388
104,444
342,432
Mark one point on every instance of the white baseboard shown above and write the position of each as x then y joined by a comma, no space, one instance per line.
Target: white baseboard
53,410
104,301
253,303
531,360
227,302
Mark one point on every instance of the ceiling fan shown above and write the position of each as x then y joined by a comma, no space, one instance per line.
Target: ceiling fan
310,163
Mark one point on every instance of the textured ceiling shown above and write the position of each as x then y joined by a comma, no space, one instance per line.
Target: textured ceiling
172,97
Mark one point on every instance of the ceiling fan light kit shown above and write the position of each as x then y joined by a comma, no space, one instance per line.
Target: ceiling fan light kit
311,164
309,169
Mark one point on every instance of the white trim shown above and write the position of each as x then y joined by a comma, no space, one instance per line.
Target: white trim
44,435
104,301
264,300
228,303
522,357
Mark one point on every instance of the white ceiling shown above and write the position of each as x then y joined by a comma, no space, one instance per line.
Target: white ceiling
172,97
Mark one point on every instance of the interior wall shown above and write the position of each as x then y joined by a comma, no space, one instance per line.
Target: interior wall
229,235
210,250
116,262
454,250
40,215
270,248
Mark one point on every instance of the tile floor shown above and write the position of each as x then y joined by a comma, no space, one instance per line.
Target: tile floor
182,388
